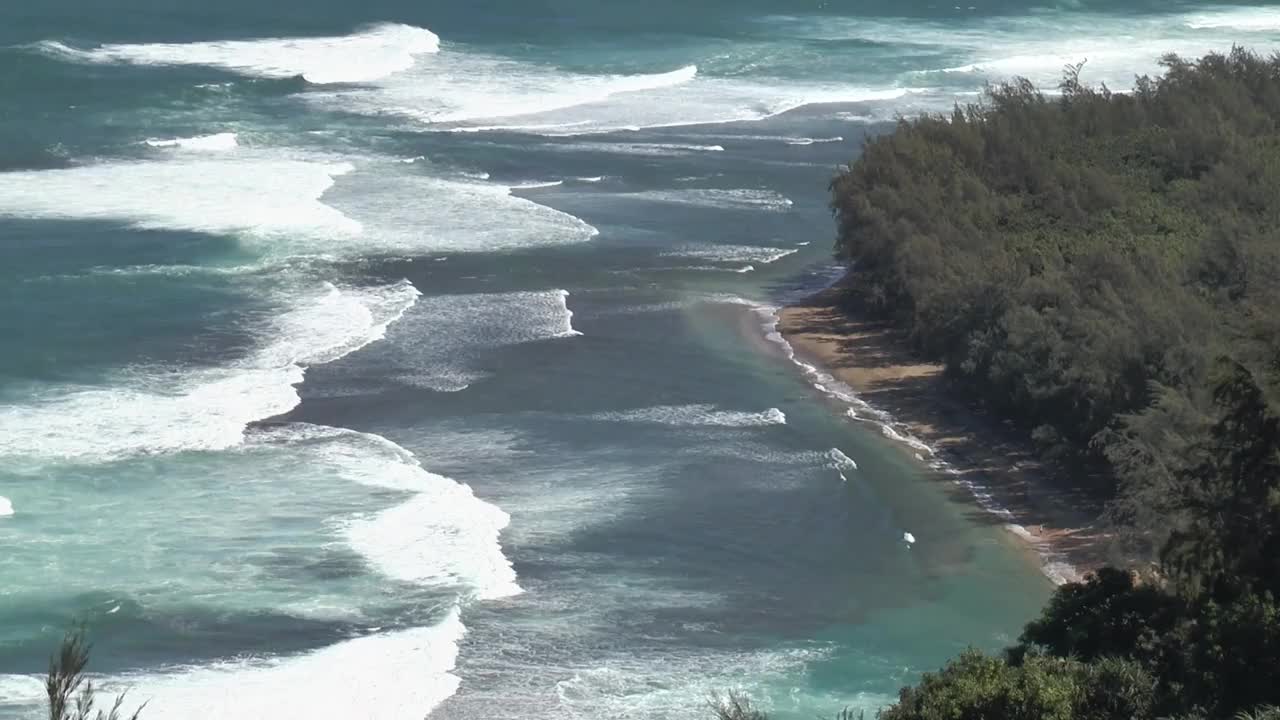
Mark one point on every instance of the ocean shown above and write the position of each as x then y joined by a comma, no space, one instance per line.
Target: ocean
397,358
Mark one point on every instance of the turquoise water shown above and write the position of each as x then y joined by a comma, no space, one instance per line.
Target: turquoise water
390,358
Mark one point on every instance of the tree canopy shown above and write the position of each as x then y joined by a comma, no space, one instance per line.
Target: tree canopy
1085,262
1103,268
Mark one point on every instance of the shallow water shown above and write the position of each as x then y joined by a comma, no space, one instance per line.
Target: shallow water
389,358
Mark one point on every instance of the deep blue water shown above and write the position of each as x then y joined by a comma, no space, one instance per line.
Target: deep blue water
390,358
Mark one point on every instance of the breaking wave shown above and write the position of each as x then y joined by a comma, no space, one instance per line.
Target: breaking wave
695,415
363,56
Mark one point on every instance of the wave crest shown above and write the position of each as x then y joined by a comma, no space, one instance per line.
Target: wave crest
205,143
157,410
695,415
374,53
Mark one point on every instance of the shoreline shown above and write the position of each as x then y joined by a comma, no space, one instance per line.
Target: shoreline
868,366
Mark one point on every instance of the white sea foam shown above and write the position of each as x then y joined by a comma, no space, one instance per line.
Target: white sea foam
157,410
1260,19
538,185
694,415
441,343
594,179
218,142
1114,50
21,689
407,543
269,196
695,101
722,199
651,149
784,139
687,301
6,507
442,535
1037,44
691,268
292,204
812,141
398,674
411,213
459,90
468,89
731,253
840,461
367,55
333,323
665,686
403,72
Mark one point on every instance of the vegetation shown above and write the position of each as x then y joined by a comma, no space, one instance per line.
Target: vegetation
1105,269
1084,263
71,693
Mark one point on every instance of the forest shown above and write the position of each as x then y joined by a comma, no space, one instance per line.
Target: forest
1102,269
1090,265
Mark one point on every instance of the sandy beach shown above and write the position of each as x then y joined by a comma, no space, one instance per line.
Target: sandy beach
1054,513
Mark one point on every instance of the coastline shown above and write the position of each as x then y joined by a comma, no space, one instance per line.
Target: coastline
869,366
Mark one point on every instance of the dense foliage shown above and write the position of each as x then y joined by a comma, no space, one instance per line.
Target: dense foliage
1084,262
1104,268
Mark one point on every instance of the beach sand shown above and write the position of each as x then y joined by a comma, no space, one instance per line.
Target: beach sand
1056,514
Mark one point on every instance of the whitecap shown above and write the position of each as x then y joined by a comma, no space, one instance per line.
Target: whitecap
463,90
721,199
731,253
289,204
693,101
441,343
363,56
6,507
218,142
1260,19
812,141
840,461
666,685
159,410
538,184
694,415
408,213
784,139
442,535
689,268
650,149
398,674
22,689
267,195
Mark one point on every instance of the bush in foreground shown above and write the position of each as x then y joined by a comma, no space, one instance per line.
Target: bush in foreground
70,692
